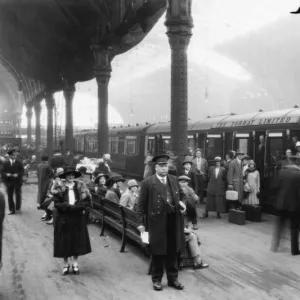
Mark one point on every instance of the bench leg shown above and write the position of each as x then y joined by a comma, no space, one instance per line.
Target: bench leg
150,266
123,244
102,226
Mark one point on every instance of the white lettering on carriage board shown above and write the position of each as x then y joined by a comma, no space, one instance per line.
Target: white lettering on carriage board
265,121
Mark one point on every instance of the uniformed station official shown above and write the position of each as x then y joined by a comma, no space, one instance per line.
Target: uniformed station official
161,206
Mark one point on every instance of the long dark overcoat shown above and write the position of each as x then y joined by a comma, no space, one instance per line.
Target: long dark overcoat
288,195
71,237
44,175
2,212
216,190
152,205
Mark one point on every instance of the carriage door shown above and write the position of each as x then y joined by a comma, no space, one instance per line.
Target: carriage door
201,143
274,151
214,147
242,140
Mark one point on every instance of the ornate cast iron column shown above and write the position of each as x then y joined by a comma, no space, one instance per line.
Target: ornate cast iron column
29,128
37,111
50,103
103,58
69,93
179,25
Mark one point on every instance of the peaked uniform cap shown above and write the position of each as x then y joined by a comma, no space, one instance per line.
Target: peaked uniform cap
161,159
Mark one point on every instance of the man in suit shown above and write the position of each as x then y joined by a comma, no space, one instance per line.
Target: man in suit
235,175
104,164
12,176
160,205
57,161
187,171
288,204
201,167
2,212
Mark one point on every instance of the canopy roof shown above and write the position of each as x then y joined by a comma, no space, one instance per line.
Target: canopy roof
46,43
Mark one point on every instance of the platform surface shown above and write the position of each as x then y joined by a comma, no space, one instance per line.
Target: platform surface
241,264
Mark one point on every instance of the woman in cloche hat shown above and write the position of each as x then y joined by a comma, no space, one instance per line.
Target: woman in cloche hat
252,184
130,197
71,237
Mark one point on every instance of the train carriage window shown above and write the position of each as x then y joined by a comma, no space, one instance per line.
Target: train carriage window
191,142
294,138
228,141
243,145
131,147
214,147
121,146
114,147
151,144
166,145
275,150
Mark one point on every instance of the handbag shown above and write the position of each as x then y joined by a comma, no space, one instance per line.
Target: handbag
232,195
247,187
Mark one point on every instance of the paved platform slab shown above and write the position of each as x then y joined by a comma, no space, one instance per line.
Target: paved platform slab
241,265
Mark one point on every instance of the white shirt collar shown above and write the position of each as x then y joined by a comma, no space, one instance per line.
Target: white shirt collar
161,178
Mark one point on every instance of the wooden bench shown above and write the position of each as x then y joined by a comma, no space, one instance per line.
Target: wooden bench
130,224
120,218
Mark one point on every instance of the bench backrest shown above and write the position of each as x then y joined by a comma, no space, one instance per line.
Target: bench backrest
96,200
130,218
111,208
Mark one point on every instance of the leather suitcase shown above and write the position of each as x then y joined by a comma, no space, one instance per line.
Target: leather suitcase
236,217
253,213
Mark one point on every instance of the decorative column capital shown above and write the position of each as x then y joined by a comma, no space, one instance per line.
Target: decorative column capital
37,107
103,57
179,21
69,91
29,111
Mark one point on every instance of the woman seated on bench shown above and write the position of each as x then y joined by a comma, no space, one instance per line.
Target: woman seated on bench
100,184
130,197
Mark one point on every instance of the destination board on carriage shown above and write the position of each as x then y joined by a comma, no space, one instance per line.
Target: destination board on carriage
257,122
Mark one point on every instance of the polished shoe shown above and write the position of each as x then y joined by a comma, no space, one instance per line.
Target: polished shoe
65,270
176,285
75,269
157,286
44,217
11,213
195,227
50,222
202,265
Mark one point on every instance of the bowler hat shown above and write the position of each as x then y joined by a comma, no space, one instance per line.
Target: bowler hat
239,152
11,151
183,177
187,161
198,149
69,170
161,159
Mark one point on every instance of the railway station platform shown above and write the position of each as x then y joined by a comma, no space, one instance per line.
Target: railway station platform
241,264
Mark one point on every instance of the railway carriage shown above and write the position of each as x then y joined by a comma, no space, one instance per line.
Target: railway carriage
215,135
